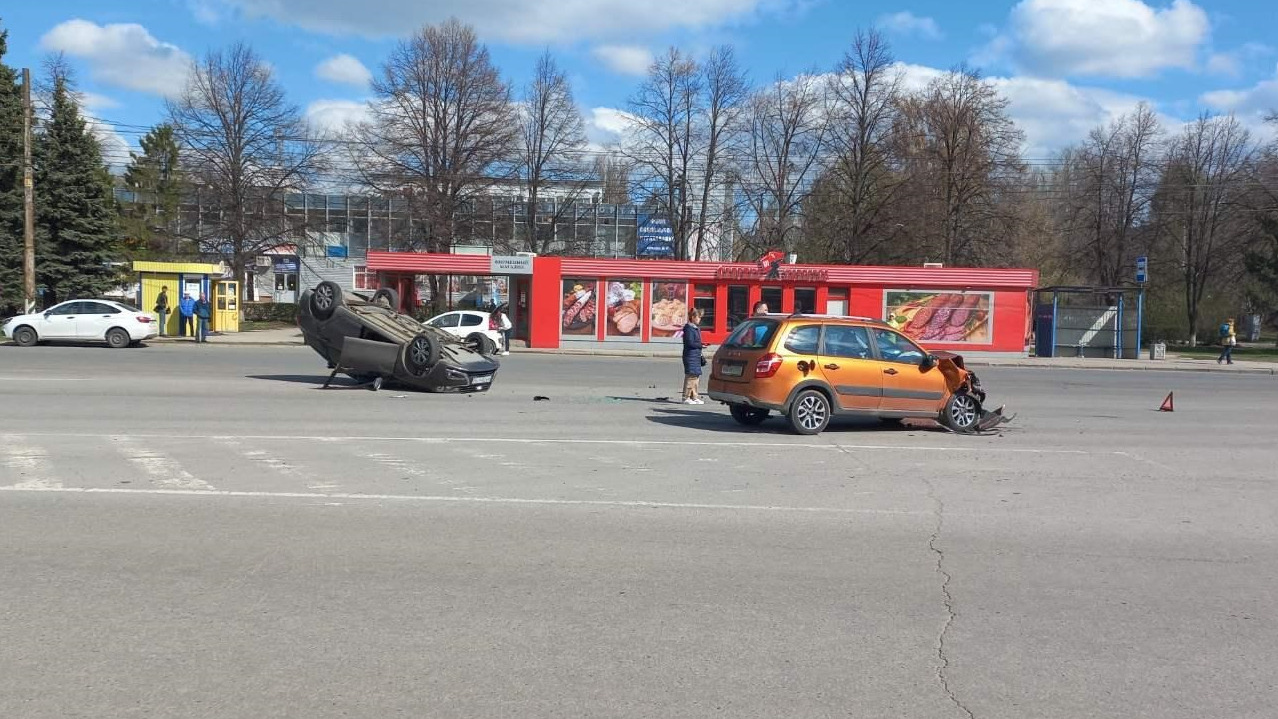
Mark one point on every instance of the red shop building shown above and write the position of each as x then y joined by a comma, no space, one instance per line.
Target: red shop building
563,301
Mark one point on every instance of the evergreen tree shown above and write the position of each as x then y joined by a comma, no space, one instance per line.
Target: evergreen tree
10,185
76,232
150,219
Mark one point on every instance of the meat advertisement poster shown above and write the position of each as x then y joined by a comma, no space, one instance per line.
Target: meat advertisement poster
580,309
941,317
669,308
625,308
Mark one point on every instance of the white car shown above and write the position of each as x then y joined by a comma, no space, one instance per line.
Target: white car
115,323
475,327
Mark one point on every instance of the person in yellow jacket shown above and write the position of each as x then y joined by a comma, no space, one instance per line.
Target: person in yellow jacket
1228,339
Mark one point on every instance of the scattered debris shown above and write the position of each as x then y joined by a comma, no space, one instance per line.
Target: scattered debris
541,398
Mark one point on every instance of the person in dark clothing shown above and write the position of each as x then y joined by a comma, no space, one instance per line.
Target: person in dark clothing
692,358
204,312
186,316
162,308
760,308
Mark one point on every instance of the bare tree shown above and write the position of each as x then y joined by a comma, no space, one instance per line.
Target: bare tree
863,180
553,135
788,134
1202,204
1113,176
725,91
961,150
613,172
662,144
441,130
243,146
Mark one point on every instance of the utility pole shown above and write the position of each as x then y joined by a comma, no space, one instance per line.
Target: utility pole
28,200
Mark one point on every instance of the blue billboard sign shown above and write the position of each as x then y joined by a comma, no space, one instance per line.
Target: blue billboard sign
655,238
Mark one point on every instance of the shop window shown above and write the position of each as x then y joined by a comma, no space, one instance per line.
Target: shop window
365,280
772,297
624,308
669,310
805,300
738,305
836,302
704,300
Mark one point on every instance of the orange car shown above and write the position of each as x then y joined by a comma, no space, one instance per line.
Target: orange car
810,368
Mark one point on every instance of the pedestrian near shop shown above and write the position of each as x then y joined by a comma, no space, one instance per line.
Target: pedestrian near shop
186,316
1228,339
504,326
162,308
760,308
693,360
203,312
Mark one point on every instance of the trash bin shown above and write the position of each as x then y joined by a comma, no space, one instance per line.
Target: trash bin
1158,351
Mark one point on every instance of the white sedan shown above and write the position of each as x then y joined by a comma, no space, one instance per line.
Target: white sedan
115,323
475,327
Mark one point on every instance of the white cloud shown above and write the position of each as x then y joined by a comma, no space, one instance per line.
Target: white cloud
331,117
607,126
521,21
624,59
344,69
123,55
1102,38
1224,63
94,101
1252,105
907,23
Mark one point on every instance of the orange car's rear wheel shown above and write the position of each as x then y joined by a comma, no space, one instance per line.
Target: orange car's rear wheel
810,412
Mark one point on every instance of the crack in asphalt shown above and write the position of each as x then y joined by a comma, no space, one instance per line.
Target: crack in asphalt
943,660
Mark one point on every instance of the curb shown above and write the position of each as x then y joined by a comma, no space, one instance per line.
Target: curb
1135,368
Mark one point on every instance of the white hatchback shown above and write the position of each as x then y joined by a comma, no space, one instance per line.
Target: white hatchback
476,328
115,323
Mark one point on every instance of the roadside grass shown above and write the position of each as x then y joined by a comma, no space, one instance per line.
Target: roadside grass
251,326
1253,353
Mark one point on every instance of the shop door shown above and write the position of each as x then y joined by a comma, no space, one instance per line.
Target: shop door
226,306
519,308
738,305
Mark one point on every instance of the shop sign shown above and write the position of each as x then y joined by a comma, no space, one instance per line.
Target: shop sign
285,265
511,264
941,316
783,274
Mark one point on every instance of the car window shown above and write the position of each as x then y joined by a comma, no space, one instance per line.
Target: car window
448,320
98,308
894,347
753,334
471,320
845,341
804,339
67,308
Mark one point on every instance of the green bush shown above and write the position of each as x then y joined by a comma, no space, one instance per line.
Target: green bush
270,311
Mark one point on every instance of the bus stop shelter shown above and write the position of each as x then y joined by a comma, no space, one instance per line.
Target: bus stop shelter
1080,321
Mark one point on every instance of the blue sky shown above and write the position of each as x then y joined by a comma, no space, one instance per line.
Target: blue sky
1066,65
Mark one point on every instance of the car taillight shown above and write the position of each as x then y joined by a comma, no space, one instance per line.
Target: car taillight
767,365
144,319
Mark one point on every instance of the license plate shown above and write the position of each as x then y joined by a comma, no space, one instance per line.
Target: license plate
731,370
482,379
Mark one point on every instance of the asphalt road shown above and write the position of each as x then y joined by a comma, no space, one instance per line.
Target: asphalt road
200,531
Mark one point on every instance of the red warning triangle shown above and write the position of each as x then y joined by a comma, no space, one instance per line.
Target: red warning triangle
1167,405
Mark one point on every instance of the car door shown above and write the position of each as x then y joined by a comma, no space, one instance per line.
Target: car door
94,319
447,322
849,366
907,387
59,322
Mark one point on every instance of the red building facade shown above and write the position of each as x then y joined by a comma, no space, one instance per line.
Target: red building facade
561,301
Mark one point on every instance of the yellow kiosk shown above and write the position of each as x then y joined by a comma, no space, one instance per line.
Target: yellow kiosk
193,278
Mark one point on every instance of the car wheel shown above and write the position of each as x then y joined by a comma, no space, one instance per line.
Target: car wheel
25,337
749,416
326,298
478,342
387,297
117,338
810,412
420,354
961,413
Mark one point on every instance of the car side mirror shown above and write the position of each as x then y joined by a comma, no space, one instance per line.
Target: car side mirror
928,362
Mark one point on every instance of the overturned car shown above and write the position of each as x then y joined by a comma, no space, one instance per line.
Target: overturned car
366,339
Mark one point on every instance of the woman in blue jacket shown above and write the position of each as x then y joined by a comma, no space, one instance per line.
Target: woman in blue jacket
692,359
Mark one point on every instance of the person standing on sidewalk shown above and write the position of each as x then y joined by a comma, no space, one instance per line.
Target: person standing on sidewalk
692,358
1228,338
203,312
162,308
186,316
503,324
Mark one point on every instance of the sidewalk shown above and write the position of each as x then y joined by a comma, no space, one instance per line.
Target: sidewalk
293,336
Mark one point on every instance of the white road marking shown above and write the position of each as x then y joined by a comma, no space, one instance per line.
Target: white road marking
612,442
164,471
637,504
46,379
258,456
27,461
